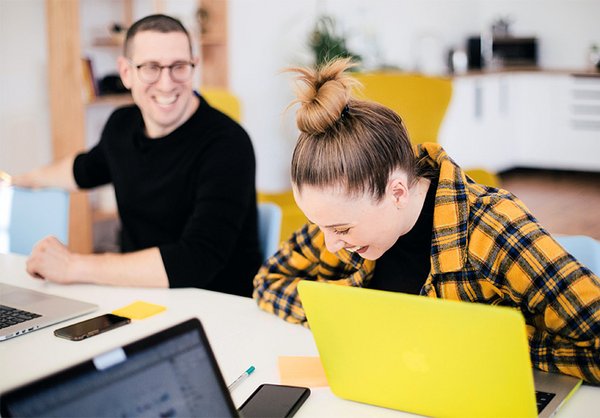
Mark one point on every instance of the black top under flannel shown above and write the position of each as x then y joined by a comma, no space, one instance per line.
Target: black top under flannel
405,267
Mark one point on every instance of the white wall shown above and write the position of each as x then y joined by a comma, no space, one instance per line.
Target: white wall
264,40
24,118
267,35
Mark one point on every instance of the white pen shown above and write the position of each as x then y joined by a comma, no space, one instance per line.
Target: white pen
242,377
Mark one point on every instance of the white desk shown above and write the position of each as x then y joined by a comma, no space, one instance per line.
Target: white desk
240,335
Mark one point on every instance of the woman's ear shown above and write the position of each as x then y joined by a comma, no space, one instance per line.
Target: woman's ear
398,190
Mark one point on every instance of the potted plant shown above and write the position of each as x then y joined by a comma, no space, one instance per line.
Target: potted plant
327,44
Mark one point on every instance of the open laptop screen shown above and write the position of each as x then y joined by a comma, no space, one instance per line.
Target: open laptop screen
170,374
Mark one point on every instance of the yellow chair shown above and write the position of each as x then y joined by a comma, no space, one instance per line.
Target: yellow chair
225,101
421,101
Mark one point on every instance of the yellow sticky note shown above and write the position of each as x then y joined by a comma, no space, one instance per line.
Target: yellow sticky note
301,371
139,310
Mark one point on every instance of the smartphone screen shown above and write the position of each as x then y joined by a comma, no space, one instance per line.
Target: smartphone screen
277,401
91,327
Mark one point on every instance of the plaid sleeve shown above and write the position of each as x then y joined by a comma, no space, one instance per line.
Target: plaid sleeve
303,257
559,297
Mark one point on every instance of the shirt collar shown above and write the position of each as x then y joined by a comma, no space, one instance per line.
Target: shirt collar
451,213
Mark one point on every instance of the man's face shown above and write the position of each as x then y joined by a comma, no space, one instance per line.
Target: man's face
165,104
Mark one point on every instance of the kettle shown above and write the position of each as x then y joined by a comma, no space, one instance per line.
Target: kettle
457,61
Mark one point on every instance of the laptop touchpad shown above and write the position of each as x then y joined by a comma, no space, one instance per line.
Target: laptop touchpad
22,298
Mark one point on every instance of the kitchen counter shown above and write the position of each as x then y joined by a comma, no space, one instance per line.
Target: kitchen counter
532,69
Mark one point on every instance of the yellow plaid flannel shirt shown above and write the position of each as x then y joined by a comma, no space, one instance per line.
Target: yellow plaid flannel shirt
487,248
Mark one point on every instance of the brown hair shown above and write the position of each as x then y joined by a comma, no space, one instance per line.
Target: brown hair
155,23
346,142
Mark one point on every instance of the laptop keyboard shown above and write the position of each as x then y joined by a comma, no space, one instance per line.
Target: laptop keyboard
11,316
543,399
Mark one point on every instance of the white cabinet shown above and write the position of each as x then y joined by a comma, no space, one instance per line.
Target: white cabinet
540,103
538,120
478,129
584,122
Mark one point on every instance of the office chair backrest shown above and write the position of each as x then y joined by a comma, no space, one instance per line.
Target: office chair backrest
420,100
224,101
585,249
269,227
292,217
30,215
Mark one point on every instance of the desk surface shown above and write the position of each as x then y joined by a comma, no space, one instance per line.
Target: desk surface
240,335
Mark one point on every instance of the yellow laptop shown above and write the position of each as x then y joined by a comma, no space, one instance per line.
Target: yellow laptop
428,356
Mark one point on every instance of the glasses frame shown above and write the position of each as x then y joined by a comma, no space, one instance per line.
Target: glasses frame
161,68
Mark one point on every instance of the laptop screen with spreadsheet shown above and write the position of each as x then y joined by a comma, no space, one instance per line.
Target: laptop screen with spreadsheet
169,374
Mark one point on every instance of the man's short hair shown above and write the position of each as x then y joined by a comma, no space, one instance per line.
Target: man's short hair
155,23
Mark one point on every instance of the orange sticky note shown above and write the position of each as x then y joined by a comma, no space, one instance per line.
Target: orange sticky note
301,371
139,310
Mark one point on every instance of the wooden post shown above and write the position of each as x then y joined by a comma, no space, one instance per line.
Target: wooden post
213,44
67,109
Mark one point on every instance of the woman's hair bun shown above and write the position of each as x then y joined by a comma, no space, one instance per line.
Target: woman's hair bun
322,93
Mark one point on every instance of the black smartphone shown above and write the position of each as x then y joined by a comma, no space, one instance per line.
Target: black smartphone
91,327
277,401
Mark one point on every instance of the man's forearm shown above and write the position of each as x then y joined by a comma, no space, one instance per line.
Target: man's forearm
57,174
138,269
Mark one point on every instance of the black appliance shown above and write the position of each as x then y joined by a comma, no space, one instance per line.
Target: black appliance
474,57
514,51
509,51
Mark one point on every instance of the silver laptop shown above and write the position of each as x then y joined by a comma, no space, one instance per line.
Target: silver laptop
25,310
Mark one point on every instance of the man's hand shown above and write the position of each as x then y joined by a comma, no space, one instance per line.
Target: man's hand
51,260
27,180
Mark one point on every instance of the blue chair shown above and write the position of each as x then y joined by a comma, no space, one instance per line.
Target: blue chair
269,228
29,215
585,249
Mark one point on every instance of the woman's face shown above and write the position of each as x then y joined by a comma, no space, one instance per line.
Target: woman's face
358,224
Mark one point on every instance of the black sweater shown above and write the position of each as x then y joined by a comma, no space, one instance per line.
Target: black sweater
190,193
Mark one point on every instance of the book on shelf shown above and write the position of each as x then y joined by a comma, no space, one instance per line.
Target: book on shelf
89,88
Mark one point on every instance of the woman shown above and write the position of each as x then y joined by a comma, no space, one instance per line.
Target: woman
385,216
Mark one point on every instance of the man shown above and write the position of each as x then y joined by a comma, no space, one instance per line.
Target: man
183,175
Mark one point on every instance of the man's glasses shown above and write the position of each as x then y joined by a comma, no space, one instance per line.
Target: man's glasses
150,72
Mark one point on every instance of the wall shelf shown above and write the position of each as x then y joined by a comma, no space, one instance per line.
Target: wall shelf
67,81
111,99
